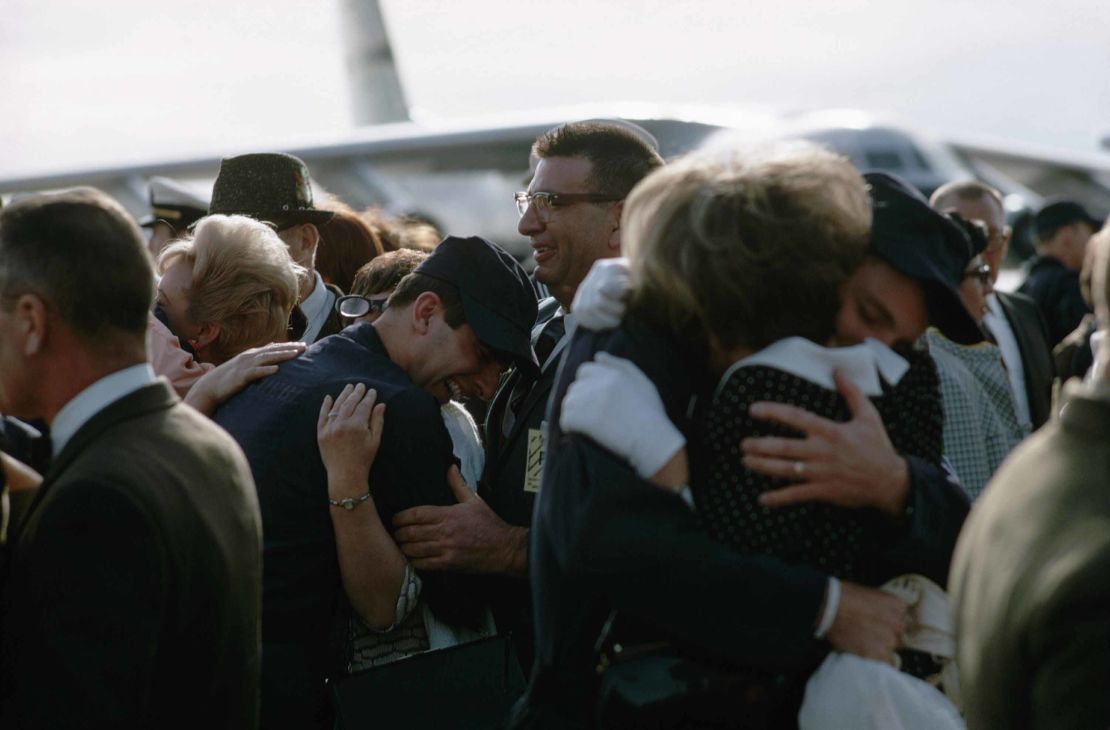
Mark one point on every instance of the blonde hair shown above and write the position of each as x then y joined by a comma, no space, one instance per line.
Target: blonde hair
1100,292
748,248
242,278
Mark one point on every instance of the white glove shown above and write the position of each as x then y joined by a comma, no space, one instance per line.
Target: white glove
614,403
599,302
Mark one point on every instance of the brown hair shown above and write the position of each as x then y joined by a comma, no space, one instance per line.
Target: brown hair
80,251
242,277
346,243
386,271
746,249
969,190
416,284
620,157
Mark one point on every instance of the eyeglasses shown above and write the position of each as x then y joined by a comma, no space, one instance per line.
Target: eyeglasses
546,202
356,305
981,272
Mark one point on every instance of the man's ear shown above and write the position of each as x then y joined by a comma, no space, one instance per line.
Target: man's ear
425,306
32,323
614,221
310,238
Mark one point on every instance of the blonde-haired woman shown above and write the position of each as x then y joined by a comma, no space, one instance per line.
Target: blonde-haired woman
224,291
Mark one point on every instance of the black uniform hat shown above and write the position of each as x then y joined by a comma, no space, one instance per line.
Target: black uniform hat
173,203
1059,213
497,296
927,246
266,186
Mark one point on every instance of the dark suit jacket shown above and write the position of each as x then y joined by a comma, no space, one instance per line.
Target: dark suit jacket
504,488
1031,580
304,609
135,592
1036,352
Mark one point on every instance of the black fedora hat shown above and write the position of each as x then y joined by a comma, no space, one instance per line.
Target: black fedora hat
267,186
497,295
927,246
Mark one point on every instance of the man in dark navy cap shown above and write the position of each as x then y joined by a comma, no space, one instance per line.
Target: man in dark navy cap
461,318
571,214
1063,228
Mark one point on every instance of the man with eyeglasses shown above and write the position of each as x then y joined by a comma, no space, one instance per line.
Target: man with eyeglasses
1013,319
276,188
571,213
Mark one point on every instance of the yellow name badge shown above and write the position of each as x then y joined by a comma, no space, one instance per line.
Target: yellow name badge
533,465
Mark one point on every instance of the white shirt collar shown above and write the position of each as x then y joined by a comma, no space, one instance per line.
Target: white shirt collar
95,398
315,308
862,364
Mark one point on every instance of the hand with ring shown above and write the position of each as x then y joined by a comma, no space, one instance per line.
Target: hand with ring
849,464
349,432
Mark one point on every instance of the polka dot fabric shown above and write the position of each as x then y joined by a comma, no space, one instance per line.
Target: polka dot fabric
837,540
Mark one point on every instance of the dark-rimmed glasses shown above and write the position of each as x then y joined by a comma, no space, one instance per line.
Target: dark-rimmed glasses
356,305
546,202
981,272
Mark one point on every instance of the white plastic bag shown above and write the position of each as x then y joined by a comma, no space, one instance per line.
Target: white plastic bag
848,692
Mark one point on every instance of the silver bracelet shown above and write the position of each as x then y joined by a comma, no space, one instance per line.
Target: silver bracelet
349,502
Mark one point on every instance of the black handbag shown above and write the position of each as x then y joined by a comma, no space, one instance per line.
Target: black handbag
471,685
658,686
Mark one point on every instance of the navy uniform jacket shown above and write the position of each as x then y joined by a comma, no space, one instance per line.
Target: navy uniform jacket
1055,289
603,539
304,609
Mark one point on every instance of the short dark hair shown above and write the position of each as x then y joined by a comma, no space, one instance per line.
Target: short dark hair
384,272
413,285
967,190
81,252
620,156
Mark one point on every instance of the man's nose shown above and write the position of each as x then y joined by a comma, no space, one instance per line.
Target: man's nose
530,222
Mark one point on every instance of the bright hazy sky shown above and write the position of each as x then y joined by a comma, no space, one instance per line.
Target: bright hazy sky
116,81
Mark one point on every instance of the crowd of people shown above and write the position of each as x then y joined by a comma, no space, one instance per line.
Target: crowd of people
755,443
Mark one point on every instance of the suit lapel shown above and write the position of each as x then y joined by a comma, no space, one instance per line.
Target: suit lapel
153,397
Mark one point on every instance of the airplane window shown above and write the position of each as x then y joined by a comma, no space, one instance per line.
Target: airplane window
920,160
884,159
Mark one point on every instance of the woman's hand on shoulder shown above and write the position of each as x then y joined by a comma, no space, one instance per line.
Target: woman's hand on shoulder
349,432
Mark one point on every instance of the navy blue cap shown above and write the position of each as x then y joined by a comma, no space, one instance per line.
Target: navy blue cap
1056,214
927,246
497,295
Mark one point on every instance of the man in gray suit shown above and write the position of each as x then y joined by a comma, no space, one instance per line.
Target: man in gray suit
1013,320
135,579
1031,574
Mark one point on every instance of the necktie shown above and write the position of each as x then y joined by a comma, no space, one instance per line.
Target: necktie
549,337
298,323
